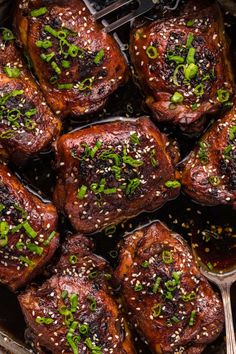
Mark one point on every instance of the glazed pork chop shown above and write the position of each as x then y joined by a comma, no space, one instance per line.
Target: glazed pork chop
110,172
170,303
74,311
209,172
77,63
28,236
27,125
183,65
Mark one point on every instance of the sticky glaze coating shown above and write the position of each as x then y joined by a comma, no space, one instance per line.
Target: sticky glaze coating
209,172
27,232
27,125
183,66
81,286
170,303
111,172
78,65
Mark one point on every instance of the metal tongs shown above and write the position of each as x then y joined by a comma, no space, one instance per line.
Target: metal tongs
143,7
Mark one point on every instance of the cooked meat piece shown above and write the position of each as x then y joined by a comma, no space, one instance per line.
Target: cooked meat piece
183,65
74,311
113,171
77,63
27,232
209,172
27,125
170,303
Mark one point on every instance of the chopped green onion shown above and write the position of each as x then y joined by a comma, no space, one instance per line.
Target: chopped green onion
192,318
232,132
69,338
4,228
8,134
99,56
156,310
93,275
177,98
73,259
28,229
86,84
29,124
50,30
74,302
138,287
132,186
134,139
65,64
50,238
65,86
228,151
210,266
194,106
47,57
113,254
189,297
170,285
64,294
44,320
94,150
199,90
156,285
2,207
81,192
20,245
110,230
173,184
189,40
175,74
153,159
73,50
168,295
223,95
167,257
34,248
26,260
130,161
44,44
203,152
152,52
31,112
191,71
84,329
145,264
56,67
94,348
93,305
12,72
175,319
190,23
214,180
191,56
176,58
7,35
39,12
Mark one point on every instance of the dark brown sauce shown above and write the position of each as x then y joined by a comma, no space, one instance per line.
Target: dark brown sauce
181,215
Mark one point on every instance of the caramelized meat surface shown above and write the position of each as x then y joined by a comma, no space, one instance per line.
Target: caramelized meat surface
183,65
74,311
113,171
169,301
209,172
78,65
27,232
27,125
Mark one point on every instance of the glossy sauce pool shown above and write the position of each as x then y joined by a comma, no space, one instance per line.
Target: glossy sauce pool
212,229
